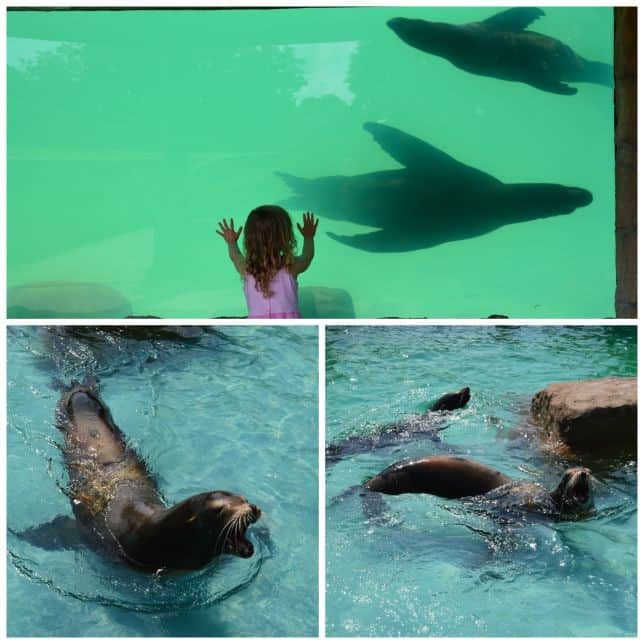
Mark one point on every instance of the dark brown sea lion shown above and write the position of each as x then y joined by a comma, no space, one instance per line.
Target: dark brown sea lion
433,199
117,504
452,477
501,47
429,424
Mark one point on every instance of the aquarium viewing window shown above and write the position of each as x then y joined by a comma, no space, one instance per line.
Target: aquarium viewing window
444,188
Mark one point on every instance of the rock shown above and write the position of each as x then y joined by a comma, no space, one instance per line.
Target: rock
66,300
625,62
589,415
323,302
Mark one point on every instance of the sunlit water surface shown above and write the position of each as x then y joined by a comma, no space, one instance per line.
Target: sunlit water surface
429,566
234,409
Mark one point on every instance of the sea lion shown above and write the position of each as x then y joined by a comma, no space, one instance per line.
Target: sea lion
118,508
452,477
428,424
434,199
452,401
501,47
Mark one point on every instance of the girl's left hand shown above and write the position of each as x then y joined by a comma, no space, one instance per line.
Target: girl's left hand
309,225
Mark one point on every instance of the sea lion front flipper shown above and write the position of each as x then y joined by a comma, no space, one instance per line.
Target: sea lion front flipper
374,506
556,88
61,533
382,241
516,19
426,160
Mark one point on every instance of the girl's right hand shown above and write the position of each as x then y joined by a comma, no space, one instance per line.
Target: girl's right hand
309,225
228,232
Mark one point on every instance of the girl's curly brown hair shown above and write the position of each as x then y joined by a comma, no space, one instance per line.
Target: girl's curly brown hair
269,244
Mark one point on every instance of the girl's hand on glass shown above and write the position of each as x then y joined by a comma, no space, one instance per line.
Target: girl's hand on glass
228,232
309,225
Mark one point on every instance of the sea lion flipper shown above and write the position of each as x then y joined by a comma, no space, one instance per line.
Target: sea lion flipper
61,533
556,88
382,241
422,158
516,19
374,506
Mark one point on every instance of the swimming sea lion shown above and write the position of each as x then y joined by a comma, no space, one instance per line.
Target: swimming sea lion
429,424
452,477
432,200
117,504
501,47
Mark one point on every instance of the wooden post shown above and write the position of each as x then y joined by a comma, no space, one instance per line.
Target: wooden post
625,61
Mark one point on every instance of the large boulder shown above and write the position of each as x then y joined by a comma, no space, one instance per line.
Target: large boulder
589,415
66,300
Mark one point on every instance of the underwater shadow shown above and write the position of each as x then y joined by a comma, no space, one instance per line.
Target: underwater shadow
500,47
432,200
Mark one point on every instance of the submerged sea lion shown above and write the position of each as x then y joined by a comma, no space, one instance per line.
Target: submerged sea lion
117,506
501,47
452,477
434,199
429,423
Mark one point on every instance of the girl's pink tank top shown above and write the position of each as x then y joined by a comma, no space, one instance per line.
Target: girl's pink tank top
283,302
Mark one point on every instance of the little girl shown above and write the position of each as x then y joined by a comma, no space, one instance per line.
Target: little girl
269,266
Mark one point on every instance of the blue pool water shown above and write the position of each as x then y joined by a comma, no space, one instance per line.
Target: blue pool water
429,567
233,409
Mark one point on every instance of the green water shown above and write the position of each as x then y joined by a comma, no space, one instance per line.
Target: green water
130,133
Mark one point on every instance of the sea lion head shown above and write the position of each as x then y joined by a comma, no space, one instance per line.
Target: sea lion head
574,494
547,199
432,37
452,401
227,517
187,536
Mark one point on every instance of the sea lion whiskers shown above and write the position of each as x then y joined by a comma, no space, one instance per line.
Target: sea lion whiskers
235,528
224,533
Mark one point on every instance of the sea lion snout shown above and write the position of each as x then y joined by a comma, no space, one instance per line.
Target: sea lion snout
396,23
232,515
575,490
580,197
256,512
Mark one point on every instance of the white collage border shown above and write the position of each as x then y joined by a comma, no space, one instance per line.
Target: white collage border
321,324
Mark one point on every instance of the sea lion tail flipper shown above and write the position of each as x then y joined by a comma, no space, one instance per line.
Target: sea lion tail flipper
599,73
91,382
88,383
333,454
58,385
61,533
516,19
